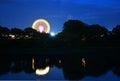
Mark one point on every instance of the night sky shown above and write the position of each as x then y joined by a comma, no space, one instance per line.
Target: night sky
22,13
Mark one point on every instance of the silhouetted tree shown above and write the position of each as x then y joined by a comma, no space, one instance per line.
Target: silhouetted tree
96,35
116,32
115,36
17,32
4,32
58,40
97,32
73,31
31,33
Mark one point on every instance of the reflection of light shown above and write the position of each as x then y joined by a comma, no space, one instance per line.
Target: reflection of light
12,64
59,61
47,60
83,39
102,35
41,71
83,62
33,63
52,34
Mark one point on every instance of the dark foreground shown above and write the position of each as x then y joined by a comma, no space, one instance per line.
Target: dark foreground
82,64
83,51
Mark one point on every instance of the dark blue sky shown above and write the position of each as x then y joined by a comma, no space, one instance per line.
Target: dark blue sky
22,13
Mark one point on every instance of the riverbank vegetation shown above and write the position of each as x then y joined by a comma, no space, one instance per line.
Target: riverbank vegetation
75,33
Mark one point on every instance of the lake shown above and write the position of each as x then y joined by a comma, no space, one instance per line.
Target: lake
94,67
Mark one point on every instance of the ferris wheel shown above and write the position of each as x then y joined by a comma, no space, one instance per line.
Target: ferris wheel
41,25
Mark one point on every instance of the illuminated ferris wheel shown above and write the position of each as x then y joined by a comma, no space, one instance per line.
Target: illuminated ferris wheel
41,25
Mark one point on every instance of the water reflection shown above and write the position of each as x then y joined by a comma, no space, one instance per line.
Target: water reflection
83,62
40,71
73,67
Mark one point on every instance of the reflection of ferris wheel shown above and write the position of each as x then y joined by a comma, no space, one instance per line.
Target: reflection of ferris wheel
41,25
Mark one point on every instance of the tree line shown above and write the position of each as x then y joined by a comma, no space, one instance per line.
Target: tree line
75,33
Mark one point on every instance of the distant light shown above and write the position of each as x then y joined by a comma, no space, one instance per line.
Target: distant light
52,34
12,36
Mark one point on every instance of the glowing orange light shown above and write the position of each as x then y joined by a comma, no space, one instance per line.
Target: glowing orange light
33,62
12,36
83,62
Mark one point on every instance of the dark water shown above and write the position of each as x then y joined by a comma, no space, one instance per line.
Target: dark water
60,67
